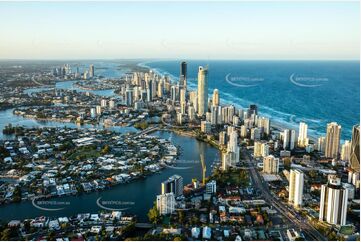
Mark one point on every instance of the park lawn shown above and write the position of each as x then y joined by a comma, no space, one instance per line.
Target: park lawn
232,177
85,152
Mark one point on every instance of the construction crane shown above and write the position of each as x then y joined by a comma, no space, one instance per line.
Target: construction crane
204,169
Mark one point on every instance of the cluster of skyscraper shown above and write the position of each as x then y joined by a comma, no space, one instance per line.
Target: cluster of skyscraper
66,71
195,107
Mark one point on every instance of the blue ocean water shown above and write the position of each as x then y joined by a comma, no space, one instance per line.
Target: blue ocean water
316,92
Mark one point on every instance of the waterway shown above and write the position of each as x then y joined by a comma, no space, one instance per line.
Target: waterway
138,196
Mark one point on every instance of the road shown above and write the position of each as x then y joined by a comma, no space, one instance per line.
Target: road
294,219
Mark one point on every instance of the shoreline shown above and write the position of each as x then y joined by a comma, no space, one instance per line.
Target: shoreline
276,125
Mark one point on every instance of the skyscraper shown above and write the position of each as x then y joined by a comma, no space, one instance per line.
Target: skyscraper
332,140
289,138
355,148
333,202
166,203
293,139
346,151
91,71
202,90
270,164
264,124
321,144
296,188
215,100
302,135
173,184
129,96
183,74
253,109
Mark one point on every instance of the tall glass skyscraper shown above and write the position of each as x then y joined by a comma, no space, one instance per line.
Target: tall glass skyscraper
183,74
355,148
332,140
202,90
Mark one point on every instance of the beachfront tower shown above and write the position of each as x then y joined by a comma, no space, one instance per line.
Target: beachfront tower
183,74
296,187
202,90
215,101
333,201
332,140
302,135
355,148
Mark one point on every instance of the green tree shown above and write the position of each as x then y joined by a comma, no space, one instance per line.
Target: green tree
7,234
181,217
153,215
105,150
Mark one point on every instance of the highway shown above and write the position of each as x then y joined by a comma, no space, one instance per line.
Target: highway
294,219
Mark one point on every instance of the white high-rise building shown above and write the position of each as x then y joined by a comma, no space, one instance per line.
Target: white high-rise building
211,187
91,71
270,164
346,151
332,140
103,103
302,135
129,97
261,149
229,159
264,124
191,113
111,104
321,144
215,100
222,138
289,138
166,203
243,131
202,90
182,95
98,110
206,127
93,113
296,188
333,202
232,145
286,138
160,90
214,115
183,107
292,139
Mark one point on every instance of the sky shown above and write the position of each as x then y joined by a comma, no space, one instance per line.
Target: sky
179,30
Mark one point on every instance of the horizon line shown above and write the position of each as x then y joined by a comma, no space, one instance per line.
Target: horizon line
174,59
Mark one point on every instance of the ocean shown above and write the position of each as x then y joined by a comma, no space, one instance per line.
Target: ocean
315,92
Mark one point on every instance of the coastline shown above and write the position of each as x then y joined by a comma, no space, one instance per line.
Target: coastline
276,125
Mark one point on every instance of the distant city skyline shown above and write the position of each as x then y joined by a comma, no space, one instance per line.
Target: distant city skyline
174,30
